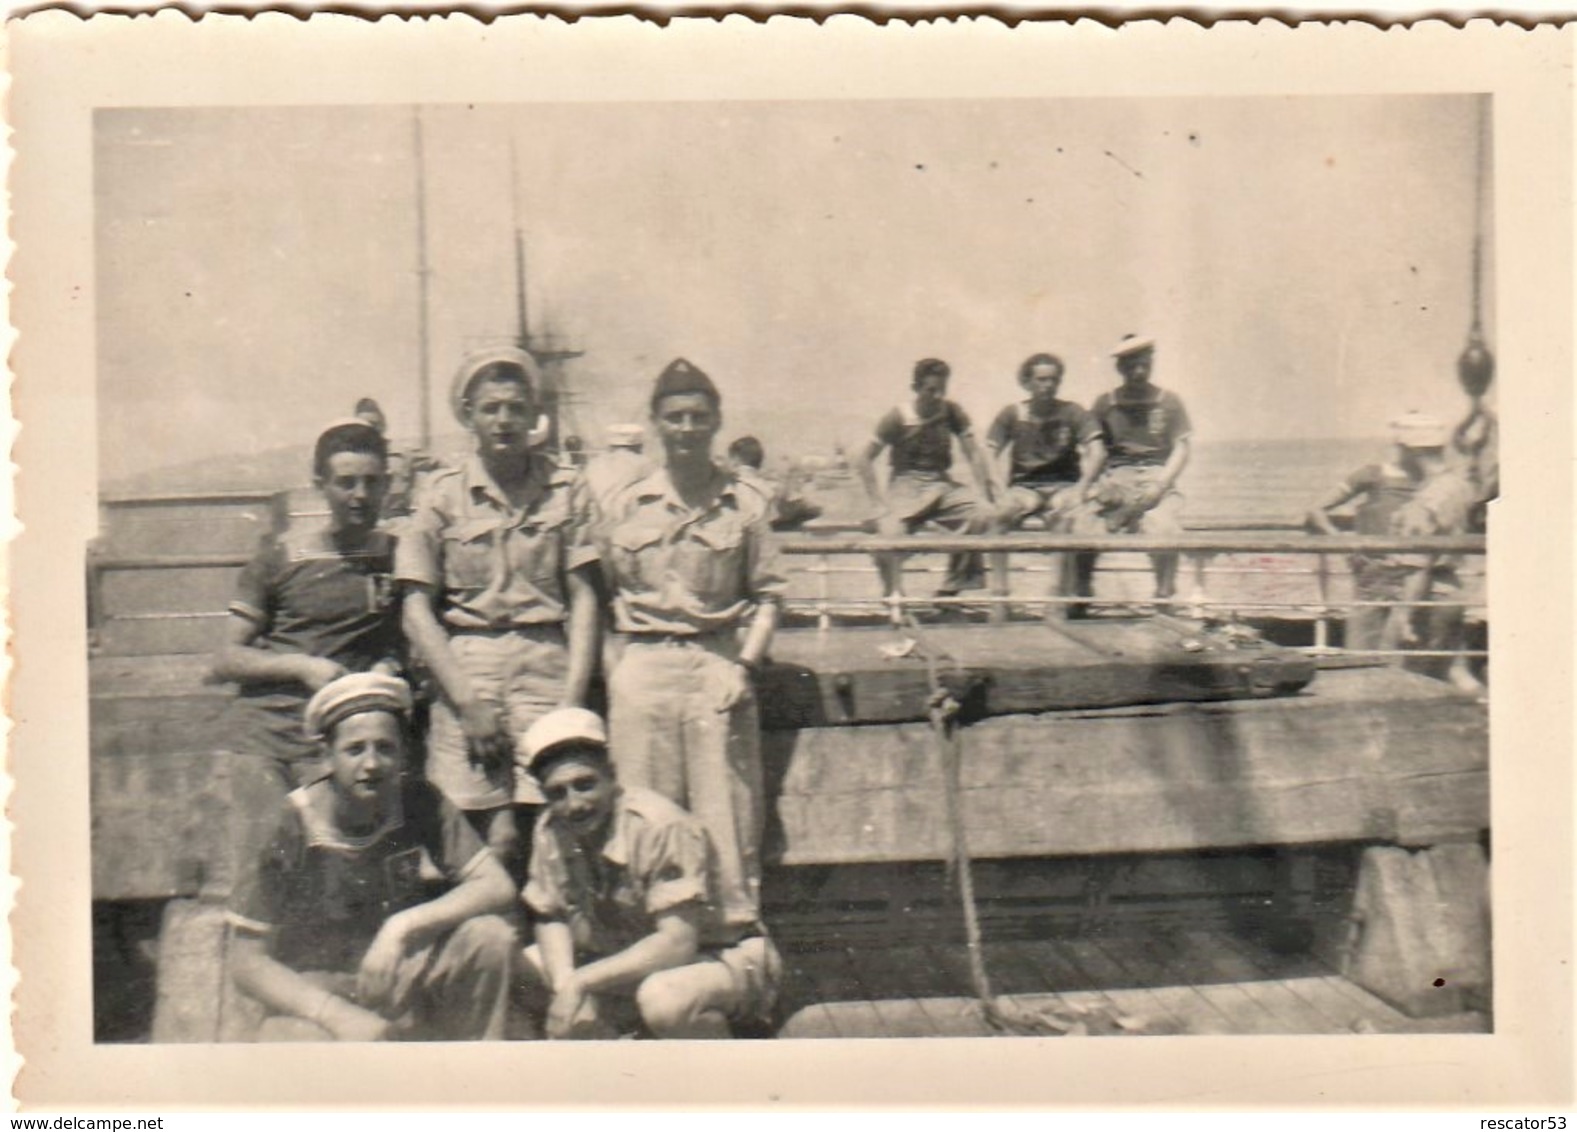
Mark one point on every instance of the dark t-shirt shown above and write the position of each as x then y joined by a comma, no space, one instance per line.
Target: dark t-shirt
924,446
1382,490
307,597
1045,449
320,894
1140,430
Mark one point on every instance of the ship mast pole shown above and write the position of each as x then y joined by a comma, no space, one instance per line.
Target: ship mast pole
423,271
1476,365
522,321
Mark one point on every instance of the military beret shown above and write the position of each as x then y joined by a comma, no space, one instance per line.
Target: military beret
680,377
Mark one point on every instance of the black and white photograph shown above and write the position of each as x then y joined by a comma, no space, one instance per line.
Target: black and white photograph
795,569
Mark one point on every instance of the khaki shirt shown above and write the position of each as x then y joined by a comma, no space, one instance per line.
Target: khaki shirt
494,567
676,570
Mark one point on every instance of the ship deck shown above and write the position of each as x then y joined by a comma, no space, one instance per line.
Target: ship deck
1166,982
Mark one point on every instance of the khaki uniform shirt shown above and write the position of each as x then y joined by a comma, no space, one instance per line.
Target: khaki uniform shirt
676,570
493,566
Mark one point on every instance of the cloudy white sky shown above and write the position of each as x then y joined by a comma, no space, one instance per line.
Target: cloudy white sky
1303,261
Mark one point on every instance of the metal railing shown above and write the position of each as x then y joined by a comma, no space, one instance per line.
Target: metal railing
1200,551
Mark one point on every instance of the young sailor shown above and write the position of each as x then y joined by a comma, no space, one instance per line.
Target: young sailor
623,894
368,913
1147,438
918,435
314,603
1048,451
508,628
694,592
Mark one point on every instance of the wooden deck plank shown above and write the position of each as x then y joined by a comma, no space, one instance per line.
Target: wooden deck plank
1298,973
1181,1008
1224,1012
1227,963
1114,980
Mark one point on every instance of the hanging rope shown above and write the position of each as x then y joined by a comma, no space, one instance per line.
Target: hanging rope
1001,1015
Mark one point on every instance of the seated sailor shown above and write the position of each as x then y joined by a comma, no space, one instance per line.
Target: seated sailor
624,893
368,915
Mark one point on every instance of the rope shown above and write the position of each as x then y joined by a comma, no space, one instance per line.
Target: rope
1005,1017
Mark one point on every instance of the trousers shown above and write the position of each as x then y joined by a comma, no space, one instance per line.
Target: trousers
666,734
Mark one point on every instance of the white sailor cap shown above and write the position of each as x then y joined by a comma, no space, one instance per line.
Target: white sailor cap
1133,344
472,365
359,692
1418,430
555,729
626,436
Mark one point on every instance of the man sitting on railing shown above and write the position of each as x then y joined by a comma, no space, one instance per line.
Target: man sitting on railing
790,509
1146,430
1049,452
919,435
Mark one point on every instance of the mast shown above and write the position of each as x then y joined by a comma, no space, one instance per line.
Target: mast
522,319
1476,365
423,271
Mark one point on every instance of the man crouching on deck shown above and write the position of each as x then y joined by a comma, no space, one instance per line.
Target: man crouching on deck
366,916
623,891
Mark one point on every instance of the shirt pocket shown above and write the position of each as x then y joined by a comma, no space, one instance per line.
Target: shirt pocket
637,553
469,555
710,560
536,552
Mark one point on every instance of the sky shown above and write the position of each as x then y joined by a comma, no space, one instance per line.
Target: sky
1304,262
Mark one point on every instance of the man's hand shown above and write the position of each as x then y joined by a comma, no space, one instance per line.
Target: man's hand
375,978
730,686
351,1023
317,671
482,724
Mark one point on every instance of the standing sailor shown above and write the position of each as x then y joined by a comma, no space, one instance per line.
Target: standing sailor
684,553
507,627
1147,436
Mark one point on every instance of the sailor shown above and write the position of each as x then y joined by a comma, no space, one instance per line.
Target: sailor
1414,493
790,509
1146,435
314,603
1048,452
624,897
919,435
508,629
622,463
371,911
402,467
685,557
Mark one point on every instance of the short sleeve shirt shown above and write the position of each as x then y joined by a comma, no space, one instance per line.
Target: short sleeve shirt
922,446
1382,490
1140,429
308,597
319,894
494,566
1045,448
656,858
674,569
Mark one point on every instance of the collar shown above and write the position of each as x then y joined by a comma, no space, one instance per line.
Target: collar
541,474
314,803
1124,397
658,484
909,414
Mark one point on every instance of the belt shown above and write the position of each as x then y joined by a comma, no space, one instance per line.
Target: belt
678,638
534,629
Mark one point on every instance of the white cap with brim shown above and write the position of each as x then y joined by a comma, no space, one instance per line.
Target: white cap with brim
473,364
359,692
1418,430
626,436
555,729
1133,344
